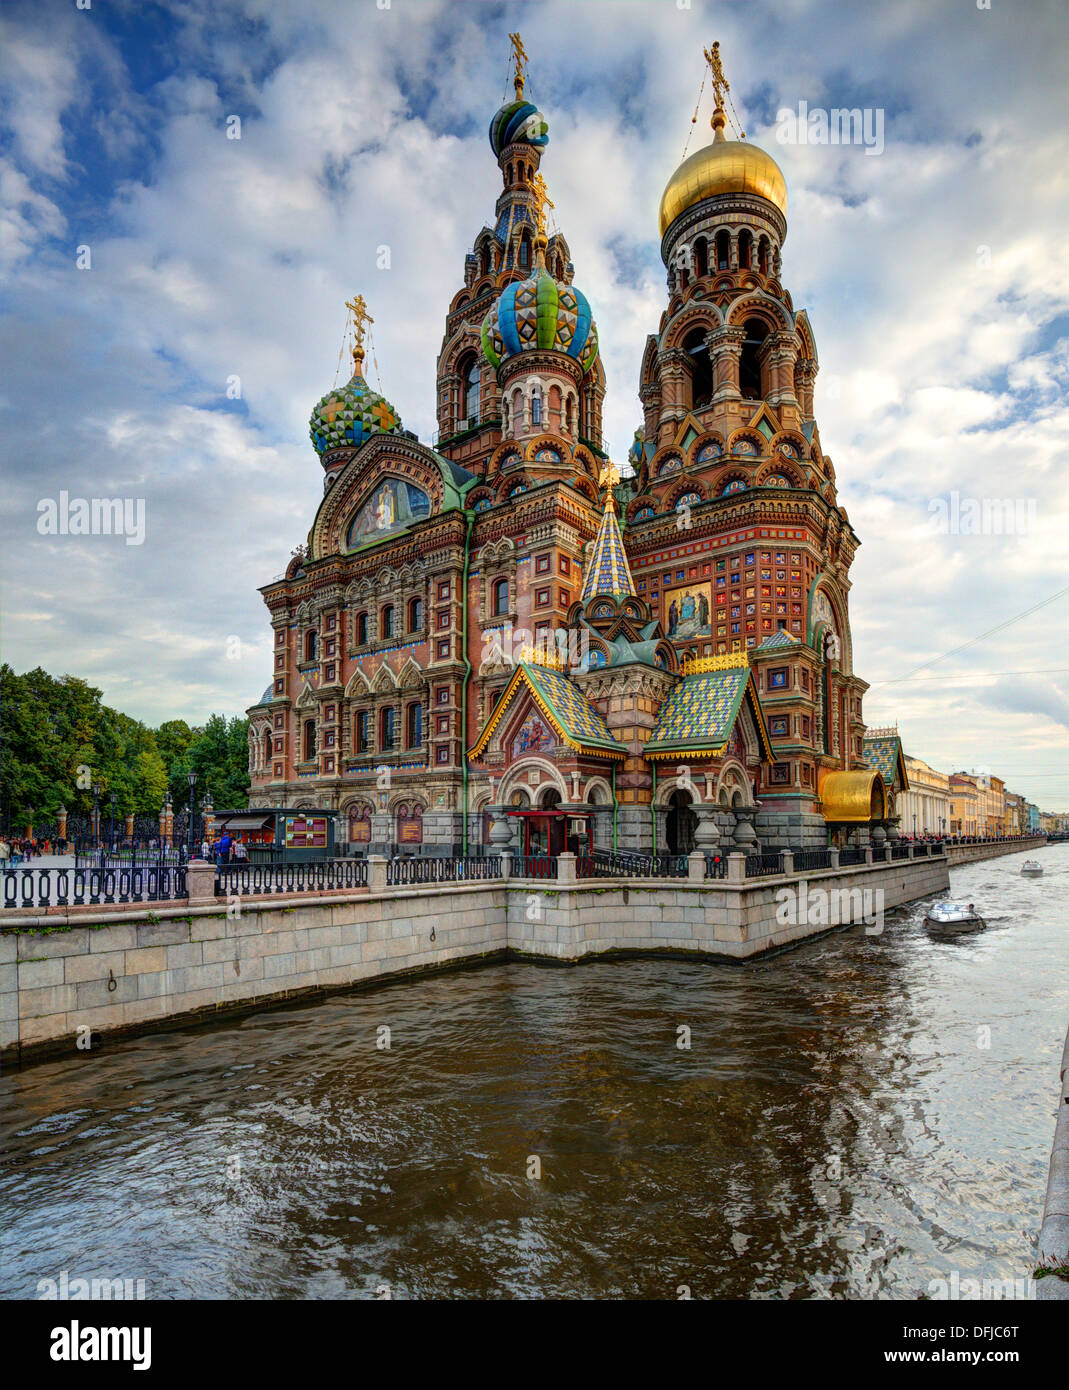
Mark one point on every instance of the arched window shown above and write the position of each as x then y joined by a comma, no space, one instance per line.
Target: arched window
415,726
361,629
762,255
309,740
750,376
745,251
536,405
569,414
267,748
525,251
311,645
723,251
386,622
701,369
501,597
415,614
387,729
486,258
470,377
701,257
362,731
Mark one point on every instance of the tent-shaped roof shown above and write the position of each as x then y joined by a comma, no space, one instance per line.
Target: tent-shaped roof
577,723
607,570
700,712
884,753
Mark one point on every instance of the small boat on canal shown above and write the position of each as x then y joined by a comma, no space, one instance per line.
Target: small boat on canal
1032,868
953,919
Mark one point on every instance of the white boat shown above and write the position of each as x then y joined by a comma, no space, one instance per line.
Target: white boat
1032,867
953,919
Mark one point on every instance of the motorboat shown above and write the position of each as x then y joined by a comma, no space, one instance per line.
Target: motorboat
953,919
1032,867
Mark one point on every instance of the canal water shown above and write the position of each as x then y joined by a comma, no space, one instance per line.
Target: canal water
857,1118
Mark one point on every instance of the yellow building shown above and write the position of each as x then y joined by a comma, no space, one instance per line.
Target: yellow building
965,804
1016,814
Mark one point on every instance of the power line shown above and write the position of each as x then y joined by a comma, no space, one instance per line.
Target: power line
999,627
977,675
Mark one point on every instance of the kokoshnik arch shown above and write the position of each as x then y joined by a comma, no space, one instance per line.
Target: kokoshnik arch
711,697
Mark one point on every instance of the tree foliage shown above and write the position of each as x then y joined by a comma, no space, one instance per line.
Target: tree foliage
57,738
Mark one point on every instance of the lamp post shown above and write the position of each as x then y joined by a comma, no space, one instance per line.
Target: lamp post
111,826
97,789
192,779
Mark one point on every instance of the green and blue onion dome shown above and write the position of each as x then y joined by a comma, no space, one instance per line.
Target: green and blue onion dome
518,121
349,416
540,313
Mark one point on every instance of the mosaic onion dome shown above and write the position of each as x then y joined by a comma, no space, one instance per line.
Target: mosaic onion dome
542,313
349,416
725,166
518,120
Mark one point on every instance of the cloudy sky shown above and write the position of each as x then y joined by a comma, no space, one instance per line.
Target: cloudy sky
936,274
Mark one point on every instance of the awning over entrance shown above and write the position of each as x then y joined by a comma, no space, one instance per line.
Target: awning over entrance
245,822
852,797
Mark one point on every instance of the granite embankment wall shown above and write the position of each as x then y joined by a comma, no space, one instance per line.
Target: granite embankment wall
969,854
1053,1248
79,972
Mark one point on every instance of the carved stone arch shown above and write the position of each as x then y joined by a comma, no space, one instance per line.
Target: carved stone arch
405,797
657,464
582,456
734,780
754,436
703,439
411,676
731,473
701,313
670,781
648,370
681,487
807,342
778,464
793,437
600,789
668,654
586,487
827,584
759,305
384,682
516,778
382,456
552,441
509,481
358,685
304,613
645,500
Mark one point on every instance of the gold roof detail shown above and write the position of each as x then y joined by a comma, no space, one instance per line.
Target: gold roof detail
847,796
699,665
725,166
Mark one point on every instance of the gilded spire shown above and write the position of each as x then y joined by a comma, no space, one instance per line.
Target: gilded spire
608,572
542,200
519,55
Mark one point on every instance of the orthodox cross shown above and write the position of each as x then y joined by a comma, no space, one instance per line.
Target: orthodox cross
721,87
542,201
358,309
519,53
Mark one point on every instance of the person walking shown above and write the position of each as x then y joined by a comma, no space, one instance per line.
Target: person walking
5,853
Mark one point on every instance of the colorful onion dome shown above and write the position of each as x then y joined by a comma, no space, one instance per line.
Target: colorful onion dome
518,120
349,416
540,313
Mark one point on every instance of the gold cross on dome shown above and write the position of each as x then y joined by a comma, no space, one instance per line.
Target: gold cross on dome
519,54
542,201
358,309
610,475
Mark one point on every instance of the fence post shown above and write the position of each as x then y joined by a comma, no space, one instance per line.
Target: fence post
833,856
566,867
736,867
506,864
200,881
696,866
376,873
786,861
869,854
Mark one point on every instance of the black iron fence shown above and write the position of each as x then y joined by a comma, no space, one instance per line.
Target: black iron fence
852,854
764,865
441,870
534,866
293,876
808,859
91,886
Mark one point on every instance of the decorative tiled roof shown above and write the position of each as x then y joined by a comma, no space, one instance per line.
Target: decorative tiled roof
700,712
607,570
884,754
775,640
350,415
575,720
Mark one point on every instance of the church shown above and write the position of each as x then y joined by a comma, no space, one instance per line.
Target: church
504,639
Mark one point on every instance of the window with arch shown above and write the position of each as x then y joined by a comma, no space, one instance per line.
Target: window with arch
500,598
525,252
470,377
762,255
361,630
569,414
362,731
309,745
751,376
266,748
387,729
415,614
414,730
723,251
486,258
386,622
745,251
701,368
701,257
536,405
311,645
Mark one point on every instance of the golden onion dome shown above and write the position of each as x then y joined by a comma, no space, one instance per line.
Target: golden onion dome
725,166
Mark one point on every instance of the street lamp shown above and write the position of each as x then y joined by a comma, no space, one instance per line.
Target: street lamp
111,826
192,779
97,789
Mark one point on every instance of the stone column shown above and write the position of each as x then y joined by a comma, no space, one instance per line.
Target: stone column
736,867
725,347
129,826
566,869
61,823
376,873
200,881
500,829
696,866
707,834
745,836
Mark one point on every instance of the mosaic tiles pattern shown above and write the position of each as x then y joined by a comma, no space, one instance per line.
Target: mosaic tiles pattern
700,711
346,418
540,313
607,570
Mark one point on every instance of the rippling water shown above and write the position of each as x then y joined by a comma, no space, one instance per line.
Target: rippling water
835,1130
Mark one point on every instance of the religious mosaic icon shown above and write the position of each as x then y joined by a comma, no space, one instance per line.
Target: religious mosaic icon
533,737
394,505
688,611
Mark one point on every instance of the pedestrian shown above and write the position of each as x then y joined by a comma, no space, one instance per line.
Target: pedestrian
205,848
241,854
5,853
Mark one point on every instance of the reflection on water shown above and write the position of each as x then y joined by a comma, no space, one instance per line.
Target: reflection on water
836,1129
